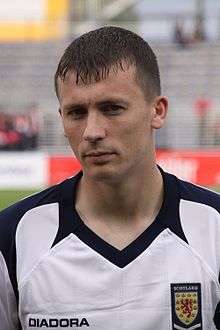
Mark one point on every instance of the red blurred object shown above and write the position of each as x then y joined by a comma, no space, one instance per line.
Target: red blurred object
200,167
202,106
62,167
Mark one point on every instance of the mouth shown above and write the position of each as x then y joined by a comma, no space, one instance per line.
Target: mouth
99,156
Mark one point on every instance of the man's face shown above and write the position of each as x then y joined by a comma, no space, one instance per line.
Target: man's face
109,124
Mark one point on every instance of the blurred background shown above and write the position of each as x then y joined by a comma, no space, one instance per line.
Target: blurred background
185,36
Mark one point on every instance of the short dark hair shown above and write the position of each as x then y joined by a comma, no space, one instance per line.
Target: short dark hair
93,54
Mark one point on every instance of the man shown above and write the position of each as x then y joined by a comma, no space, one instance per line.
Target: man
122,245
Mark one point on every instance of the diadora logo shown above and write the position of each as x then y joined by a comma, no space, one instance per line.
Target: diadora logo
57,322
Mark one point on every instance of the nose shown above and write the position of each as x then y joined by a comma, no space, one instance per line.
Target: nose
94,129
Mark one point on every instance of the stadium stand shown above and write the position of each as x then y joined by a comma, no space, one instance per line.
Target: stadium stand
27,71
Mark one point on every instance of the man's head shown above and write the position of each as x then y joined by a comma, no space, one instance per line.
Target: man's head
92,55
108,88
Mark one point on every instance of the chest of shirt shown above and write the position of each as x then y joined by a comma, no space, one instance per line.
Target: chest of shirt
74,286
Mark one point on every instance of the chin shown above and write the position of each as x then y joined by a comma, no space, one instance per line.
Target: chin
102,173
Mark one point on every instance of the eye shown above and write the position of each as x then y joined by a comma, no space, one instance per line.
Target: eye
112,109
77,113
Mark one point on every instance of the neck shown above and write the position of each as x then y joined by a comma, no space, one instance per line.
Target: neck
139,196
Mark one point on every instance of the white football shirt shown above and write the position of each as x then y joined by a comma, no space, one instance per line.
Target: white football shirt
56,273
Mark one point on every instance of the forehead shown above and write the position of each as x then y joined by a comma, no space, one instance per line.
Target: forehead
117,82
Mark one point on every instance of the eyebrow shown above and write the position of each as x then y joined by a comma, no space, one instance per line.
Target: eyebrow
107,101
73,106
112,100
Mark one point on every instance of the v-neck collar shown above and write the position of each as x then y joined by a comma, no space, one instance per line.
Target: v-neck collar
70,222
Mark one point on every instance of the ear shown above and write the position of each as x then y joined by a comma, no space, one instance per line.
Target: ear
159,112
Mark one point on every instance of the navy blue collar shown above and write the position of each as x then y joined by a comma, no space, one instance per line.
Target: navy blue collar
70,222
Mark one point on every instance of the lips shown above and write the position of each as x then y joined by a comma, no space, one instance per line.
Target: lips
99,157
98,154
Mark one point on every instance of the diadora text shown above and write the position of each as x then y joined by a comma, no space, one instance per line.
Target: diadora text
57,323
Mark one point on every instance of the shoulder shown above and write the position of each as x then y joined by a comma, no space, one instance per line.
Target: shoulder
190,202
197,205
29,208
30,224
10,216
197,194
41,206
199,213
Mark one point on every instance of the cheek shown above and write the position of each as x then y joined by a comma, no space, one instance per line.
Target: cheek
74,135
137,130
137,137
